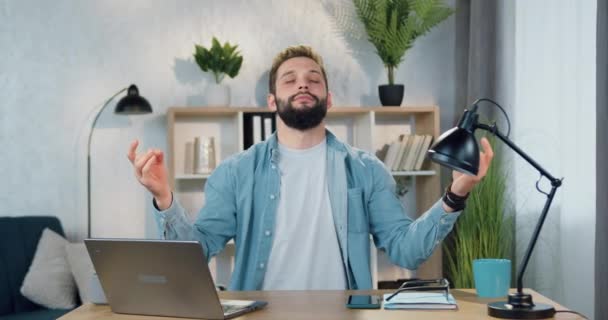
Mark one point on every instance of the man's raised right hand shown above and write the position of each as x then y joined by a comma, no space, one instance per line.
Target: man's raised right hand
152,174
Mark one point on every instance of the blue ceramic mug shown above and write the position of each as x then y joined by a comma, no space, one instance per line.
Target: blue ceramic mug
492,277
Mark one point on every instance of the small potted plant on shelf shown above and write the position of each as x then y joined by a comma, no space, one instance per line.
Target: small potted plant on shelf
392,26
221,60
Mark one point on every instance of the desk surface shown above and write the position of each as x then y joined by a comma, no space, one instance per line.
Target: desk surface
327,305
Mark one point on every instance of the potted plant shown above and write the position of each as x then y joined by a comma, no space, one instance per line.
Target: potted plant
392,26
221,60
484,230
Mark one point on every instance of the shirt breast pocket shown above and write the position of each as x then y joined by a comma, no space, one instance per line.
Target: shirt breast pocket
357,218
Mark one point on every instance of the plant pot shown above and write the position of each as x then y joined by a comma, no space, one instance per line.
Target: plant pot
391,95
218,95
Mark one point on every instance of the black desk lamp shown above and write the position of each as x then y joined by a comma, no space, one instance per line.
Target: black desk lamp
132,104
458,150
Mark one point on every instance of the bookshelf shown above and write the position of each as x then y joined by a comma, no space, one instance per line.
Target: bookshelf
367,128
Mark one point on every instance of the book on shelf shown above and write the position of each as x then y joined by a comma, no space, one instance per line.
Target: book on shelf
257,127
426,144
406,164
408,140
400,152
268,128
407,153
391,155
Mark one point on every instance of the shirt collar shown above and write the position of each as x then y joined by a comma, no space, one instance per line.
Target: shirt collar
331,140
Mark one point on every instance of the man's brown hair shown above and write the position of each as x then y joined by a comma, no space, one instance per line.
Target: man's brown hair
293,52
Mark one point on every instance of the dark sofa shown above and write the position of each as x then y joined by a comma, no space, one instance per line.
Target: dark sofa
18,241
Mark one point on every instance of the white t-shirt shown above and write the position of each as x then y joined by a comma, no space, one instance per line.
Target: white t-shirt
305,253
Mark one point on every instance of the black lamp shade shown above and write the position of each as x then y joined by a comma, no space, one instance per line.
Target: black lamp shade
456,149
133,103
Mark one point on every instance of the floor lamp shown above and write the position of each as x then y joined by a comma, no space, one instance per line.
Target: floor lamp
457,149
131,104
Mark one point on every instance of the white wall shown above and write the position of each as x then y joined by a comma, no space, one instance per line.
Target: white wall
61,59
548,79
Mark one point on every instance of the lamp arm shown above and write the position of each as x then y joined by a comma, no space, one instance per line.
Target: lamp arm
105,104
539,225
494,130
555,183
89,157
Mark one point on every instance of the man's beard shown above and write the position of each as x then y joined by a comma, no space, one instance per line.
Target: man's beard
304,117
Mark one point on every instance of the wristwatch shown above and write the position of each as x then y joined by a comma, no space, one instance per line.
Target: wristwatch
454,201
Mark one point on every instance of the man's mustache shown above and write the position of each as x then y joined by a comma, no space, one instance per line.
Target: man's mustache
295,96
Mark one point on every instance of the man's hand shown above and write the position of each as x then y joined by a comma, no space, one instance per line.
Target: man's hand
152,174
462,183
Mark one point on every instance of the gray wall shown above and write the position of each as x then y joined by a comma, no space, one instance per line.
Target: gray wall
62,59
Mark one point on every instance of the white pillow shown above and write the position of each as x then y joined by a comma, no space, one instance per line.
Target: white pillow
49,281
82,269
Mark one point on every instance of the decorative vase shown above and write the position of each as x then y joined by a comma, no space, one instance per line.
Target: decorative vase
218,95
204,155
391,94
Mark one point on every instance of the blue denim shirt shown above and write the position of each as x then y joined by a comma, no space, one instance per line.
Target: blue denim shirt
241,198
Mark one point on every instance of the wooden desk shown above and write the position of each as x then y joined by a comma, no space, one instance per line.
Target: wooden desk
294,305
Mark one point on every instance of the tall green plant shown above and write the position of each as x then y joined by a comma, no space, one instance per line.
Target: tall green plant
221,60
393,25
484,229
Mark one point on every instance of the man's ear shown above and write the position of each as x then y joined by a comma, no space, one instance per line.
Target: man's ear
330,102
272,102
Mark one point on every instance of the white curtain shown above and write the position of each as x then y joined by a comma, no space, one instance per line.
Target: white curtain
601,236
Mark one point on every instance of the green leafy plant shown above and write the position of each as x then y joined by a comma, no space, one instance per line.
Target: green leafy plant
221,60
393,25
484,230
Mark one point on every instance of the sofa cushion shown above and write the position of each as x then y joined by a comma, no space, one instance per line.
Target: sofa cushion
82,269
18,240
42,314
49,281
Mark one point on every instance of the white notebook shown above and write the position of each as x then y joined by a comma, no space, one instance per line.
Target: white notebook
421,300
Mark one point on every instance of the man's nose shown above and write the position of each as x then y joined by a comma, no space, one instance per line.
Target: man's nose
303,87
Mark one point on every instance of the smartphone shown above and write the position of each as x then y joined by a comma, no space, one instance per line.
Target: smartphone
363,302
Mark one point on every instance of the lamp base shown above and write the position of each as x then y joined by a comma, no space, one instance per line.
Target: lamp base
520,306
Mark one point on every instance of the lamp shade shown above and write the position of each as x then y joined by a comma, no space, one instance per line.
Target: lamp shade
456,149
133,103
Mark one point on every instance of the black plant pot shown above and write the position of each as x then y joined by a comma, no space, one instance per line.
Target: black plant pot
391,94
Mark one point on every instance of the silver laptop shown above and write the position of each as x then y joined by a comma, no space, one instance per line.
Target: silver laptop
161,278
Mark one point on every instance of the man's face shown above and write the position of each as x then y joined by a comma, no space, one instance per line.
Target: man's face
301,98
